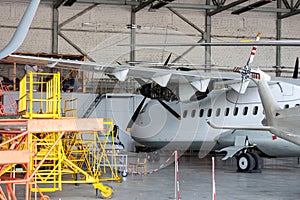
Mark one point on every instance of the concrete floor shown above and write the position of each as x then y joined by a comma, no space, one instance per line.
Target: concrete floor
280,179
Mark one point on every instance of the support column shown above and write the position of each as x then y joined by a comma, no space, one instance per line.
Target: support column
133,27
207,37
55,31
278,37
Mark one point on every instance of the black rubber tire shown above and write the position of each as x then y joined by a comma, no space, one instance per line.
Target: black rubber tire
245,162
258,161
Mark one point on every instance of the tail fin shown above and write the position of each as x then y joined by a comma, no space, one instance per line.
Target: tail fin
296,69
21,31
269,102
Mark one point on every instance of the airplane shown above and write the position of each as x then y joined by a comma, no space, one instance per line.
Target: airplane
221,97
283,122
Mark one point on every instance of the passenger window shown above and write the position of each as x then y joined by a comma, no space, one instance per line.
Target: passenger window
193,113
218,111
245,110
201,113
255,110
184,114
297,105
209,112
286,106
226,112
235,111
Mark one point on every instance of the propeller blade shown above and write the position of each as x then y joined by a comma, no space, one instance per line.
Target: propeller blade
295,74
167,61
135,114
175,114
252,54
140,81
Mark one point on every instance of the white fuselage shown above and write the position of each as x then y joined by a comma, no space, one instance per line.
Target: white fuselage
156,127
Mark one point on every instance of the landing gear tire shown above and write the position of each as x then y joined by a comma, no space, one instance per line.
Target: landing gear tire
258,162
245,162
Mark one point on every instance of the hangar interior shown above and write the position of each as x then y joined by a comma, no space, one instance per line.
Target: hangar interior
109,32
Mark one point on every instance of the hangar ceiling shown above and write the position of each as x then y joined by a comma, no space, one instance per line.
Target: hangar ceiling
286,8
281,8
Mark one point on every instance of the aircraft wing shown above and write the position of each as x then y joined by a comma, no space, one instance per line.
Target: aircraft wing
22,29
164,77
222,44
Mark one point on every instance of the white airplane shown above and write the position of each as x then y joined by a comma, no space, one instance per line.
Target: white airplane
198,97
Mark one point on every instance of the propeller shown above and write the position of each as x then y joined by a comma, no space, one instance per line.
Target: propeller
154,91
246,70
295,74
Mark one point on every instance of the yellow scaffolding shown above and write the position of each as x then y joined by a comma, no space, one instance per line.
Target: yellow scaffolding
48,103
70,107
75,155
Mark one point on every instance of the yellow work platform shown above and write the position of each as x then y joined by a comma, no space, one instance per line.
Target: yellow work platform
50,149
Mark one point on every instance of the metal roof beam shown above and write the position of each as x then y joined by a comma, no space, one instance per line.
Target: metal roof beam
222,8
142,5
292,13
160,4
251,6
294,10
297,4
191,6
286,4
77,15
58,3
69,2
186,20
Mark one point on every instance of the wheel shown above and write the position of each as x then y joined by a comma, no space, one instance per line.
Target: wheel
105,193
124,173
245,162
258,162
